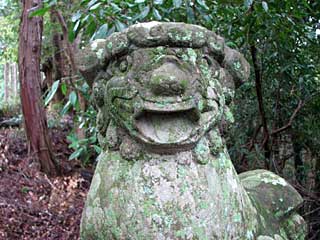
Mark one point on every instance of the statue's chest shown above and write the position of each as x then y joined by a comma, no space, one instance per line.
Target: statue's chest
171,200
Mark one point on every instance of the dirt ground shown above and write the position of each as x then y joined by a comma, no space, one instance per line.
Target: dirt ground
33,206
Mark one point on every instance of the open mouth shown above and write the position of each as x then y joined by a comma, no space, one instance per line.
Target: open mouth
167,126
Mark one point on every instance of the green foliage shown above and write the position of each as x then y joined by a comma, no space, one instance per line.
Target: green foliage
85,149
51,93
9,27
99,18
10,109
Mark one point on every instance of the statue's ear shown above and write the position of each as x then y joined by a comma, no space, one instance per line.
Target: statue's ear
228,85
234,72
90,60
236,65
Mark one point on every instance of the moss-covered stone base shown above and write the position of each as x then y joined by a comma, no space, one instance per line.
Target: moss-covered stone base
160,198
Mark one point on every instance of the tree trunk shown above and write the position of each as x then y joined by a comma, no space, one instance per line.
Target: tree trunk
71,50
15,78
6,82
12,95
30,37
60,64
298,162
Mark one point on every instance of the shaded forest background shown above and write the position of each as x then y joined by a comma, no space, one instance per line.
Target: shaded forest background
277,112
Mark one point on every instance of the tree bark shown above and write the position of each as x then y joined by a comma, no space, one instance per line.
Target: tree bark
258,84
14,80
71,49
61,67
30,39
11,89
6,82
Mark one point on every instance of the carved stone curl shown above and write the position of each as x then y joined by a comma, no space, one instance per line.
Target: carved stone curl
162,90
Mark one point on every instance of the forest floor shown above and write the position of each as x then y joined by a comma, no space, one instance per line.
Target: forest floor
33,206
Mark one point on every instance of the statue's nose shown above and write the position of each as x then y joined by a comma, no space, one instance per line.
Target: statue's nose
169,80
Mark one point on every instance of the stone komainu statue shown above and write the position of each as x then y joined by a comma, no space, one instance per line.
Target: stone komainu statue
162,90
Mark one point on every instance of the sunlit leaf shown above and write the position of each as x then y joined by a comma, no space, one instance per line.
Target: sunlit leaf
265,6
115,7
52,3
92,2
145,12
102,32
203,4
119,25
95,6
66,108
156,14
177,3
111,30
73,98
76,16
158,2
76,153
51,93
248,3
76,26
97,149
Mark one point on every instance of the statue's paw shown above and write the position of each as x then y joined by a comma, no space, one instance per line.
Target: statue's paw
295,227
275,237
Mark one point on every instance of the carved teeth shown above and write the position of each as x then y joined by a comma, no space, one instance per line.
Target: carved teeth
165,108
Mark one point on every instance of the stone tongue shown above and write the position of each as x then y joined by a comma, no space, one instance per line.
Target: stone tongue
166,127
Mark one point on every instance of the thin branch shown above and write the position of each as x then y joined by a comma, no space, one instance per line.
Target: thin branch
251,144
64,28
289,124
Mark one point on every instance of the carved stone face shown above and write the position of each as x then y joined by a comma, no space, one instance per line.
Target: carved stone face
165,97
165,84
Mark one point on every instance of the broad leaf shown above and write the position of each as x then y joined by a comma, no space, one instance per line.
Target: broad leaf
64,88
95,6
39,12
76,153
144,13
66,108
156,14
76,26
102,32
97,149
75,17
120,25
265,6
158,2
73,98
53,90
177,3
248,3
91,3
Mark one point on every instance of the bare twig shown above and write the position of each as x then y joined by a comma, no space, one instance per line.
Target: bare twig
289,124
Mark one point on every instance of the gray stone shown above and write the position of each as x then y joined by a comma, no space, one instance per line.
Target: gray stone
162,91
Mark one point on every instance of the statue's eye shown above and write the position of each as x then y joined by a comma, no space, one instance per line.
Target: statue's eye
123,66
207,60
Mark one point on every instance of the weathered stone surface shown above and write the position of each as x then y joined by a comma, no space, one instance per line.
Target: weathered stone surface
276,202
162,90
